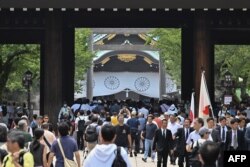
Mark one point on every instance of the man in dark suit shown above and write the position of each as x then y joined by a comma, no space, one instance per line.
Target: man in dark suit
234,137
222,128
163,143
182,136
214,133
247,138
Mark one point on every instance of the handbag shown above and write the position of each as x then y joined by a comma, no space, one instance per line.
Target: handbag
67,162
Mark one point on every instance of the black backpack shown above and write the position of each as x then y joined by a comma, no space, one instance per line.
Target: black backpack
4,108
81,124
3,153
193,157
20,159
119,161
91,134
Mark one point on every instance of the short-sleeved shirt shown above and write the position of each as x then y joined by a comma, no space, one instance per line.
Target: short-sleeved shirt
28,160
69,146
133,123
142,123
122,133
193,137
114,120
150,131
144,111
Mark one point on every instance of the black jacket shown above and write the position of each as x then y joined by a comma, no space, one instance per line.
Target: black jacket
160,142
240,138
216,136
181,141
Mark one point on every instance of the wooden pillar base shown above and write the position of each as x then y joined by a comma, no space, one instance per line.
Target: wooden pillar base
57,69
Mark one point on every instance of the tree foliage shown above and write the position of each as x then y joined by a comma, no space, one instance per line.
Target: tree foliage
232,58
169,45
16,59
236,60
83,55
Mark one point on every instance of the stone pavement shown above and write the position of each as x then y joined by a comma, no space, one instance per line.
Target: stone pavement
137,162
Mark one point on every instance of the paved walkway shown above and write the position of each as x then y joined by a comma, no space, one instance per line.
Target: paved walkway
137,162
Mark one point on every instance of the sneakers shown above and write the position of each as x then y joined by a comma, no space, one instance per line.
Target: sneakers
144,159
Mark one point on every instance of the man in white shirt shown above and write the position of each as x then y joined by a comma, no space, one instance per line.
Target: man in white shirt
214,133
76,106
144,111
173,126
104,154
194,136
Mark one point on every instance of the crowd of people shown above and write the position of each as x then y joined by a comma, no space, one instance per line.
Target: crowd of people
109,132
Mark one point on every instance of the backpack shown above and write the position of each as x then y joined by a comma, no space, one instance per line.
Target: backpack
91,134
4,108
20,160
81,124
119,161
193,157
3,153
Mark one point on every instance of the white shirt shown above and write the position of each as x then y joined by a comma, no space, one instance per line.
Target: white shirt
210,135
162,131
85,107
173,127
193,136
75,107
103,156
234,132
144,111
221,131
200,141
222,113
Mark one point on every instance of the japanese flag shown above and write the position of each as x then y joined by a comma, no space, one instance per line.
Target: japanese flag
191,112
204,104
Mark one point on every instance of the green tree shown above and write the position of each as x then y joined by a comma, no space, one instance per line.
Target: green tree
14,61
83,55
169,45
236,60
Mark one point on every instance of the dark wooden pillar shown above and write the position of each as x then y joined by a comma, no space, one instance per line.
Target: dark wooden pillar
68,64
187,62
203,56
57,66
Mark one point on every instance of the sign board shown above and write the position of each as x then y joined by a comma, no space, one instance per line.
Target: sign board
228,99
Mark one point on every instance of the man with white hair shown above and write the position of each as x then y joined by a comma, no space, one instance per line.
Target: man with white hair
23,127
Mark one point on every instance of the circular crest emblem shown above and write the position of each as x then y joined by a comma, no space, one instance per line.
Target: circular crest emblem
142,84
112,82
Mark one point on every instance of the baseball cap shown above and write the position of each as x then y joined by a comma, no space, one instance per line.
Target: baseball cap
203,131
